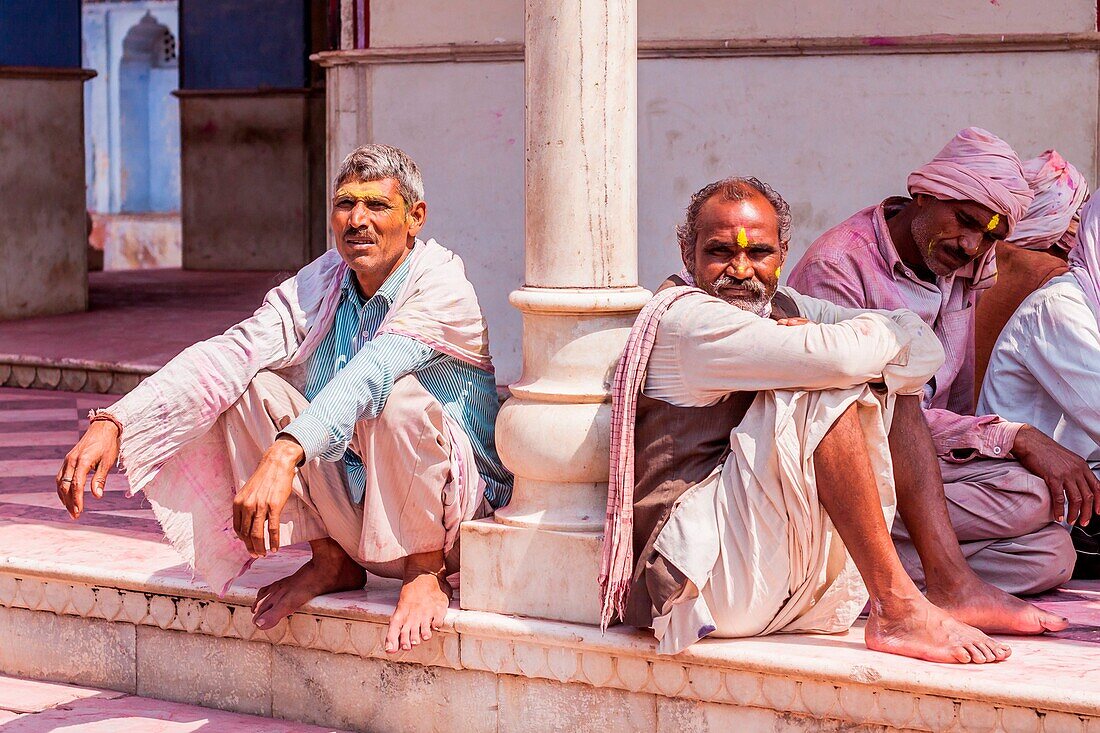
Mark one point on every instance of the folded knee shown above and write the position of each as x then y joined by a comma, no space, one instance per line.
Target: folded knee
1050,563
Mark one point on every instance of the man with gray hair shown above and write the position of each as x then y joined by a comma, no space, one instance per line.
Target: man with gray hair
354,410
760,443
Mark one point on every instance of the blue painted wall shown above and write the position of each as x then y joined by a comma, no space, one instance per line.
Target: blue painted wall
131,128
243,44
40,33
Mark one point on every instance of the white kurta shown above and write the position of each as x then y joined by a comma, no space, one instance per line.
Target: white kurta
755,543
1045,368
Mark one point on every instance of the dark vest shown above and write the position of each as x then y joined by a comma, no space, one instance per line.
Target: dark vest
674,449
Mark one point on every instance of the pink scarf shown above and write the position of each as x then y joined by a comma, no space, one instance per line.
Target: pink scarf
183,400
1060,189
1084,259
617,565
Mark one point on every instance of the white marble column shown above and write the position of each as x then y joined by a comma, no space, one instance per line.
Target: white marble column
540,555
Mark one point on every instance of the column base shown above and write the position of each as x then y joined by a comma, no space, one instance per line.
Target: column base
531,572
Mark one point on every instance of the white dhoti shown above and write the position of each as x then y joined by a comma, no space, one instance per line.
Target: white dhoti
421,482
759,551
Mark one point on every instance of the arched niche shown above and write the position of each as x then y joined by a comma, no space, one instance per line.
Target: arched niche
149,118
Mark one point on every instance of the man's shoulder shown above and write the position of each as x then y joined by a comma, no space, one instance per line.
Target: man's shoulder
849,239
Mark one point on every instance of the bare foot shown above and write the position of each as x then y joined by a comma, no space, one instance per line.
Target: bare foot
990,609
330,570
421,608
916,628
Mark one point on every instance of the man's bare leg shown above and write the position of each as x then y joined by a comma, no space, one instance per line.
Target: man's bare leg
330,570
422,605
902,621
951,584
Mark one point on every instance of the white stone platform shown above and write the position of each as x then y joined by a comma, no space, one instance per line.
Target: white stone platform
105,603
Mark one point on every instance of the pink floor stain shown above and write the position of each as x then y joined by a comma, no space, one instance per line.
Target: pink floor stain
28,706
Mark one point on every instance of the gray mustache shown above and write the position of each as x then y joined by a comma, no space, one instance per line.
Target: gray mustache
756,288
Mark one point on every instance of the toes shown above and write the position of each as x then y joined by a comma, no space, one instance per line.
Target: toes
426,630
1050,622
406,644
393,634
962,655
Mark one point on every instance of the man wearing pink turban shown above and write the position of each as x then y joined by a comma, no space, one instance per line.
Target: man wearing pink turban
1035,252
933,254
1045,367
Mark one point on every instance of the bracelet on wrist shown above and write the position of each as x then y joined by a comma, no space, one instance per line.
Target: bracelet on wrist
102,415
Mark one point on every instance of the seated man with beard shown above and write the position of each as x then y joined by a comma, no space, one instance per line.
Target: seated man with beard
757,440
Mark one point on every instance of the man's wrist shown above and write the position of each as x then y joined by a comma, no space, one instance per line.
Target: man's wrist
287,450
1021,444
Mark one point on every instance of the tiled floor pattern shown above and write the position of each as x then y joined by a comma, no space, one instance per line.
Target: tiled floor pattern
43,707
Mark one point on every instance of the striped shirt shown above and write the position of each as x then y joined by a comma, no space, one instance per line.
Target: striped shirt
855,264
350,377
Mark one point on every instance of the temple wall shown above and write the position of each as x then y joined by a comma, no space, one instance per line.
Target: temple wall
832,133
252,131
250,201
501,21
816,98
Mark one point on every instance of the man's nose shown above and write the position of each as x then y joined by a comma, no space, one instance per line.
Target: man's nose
740,267
972,243
358,217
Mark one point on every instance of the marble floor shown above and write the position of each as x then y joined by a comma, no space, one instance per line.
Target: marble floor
29,706
117,538
140,318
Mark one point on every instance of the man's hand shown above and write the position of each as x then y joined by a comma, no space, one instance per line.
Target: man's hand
97,451
1066,474
793,321
262,498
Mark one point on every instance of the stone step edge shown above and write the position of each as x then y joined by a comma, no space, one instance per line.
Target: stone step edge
85,375
71,375
569,653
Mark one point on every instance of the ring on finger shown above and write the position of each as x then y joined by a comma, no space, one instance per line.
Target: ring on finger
67,480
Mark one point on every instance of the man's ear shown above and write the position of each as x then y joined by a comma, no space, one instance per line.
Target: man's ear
415,216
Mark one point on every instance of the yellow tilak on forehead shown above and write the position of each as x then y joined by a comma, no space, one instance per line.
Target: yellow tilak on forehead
993,223
360,191
742,238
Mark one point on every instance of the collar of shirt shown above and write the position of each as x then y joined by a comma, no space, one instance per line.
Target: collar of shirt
387,292
894,263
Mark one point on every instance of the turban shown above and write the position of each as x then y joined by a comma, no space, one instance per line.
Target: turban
1084,259
976,166
1060,189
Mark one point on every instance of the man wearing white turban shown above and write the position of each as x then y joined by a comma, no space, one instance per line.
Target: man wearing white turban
1005,482
1045,367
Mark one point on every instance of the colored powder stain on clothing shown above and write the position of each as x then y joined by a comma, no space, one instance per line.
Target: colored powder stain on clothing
993,223
742,237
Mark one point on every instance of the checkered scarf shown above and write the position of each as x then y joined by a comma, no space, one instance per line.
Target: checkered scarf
618,546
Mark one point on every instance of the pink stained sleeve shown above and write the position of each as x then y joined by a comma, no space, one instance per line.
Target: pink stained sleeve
960,438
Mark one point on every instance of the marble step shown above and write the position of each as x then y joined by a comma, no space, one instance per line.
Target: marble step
105,603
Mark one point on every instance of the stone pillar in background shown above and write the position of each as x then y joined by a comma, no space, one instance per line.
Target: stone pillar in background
43,213
540,555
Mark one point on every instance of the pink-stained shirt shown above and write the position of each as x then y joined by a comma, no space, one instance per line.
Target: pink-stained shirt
855,264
